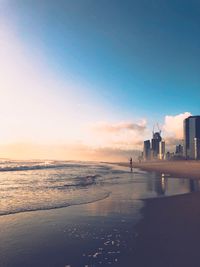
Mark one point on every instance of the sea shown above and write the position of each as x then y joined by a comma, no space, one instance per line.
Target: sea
42,185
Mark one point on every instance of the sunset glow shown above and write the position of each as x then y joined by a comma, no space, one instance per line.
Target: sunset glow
56,101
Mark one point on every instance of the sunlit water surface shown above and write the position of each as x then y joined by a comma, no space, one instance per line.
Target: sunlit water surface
38,185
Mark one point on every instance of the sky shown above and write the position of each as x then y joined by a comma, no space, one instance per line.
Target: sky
89,79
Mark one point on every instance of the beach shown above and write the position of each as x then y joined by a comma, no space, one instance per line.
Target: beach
145,220
89,235
165,234
182,169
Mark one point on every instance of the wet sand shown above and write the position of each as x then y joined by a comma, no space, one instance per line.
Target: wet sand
169,233
89,235
183,169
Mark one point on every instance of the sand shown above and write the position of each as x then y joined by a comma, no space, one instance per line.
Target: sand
182,169
169,233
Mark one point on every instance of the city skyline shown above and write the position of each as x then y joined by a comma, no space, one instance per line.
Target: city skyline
95,76
186,149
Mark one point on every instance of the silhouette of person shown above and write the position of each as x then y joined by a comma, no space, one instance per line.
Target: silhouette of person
131,164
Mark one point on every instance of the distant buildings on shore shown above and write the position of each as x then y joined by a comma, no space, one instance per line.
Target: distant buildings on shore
154,149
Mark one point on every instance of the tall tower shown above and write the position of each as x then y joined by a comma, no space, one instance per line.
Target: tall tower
162,150
191,127
147,150
155,143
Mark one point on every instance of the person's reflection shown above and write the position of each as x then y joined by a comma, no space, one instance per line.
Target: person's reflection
150,184
160,185
194,185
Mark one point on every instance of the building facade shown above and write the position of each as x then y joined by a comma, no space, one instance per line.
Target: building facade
147,150
155,144
179,150
192,137
162,150
196,148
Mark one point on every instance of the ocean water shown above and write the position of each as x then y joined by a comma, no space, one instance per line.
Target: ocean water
41,185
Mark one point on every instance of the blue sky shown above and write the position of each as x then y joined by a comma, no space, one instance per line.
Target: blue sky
127,60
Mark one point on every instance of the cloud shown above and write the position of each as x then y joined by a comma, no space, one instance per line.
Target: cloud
173,129
115,154
120,135
173,125
121,126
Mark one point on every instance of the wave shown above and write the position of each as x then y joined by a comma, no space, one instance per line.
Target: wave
77,182
83,181
8,166
70,183
34,167
58,206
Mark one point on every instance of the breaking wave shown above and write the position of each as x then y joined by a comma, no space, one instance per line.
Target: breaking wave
37,185
91,199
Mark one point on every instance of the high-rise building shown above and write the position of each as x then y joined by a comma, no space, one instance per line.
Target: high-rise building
179,150
147,150
196,148
168,155
155,143
162,150
192,137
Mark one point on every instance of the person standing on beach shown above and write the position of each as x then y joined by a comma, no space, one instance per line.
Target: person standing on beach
131,164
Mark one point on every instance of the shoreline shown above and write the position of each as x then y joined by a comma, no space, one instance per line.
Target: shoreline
180,169
166,234
121,230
